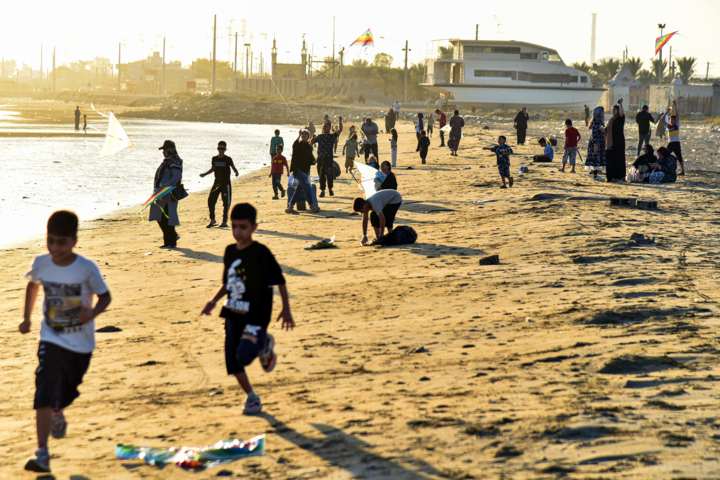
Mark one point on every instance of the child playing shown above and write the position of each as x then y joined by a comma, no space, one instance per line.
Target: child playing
572,137
502,151
85,124
67,332
249,276
222,186
393,146
274,143
548,152
351,151
423,144
278,162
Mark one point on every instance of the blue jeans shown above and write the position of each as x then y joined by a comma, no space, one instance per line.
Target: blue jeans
304,183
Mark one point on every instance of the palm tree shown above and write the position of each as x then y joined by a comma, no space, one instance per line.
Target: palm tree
583,67
659,69
607,69
646,77
686,68
634,64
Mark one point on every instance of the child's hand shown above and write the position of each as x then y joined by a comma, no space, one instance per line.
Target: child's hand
85,315
24,326
287,319
208,308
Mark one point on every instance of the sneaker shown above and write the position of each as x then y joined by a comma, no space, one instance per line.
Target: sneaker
599,179
315,209
591,175
276,197
40,463
252,404
282,193
268,359
223,225
331,193
168,246
322,193
211,224
59,426
291,210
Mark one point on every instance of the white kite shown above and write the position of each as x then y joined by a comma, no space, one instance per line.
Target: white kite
116,139
368,177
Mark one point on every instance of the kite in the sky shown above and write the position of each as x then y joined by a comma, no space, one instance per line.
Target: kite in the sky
661,41
364,40
116,139
368,177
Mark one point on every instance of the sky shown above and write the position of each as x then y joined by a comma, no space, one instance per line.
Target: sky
83,30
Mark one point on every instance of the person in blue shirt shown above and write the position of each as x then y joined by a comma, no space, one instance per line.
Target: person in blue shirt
548,152
503,151
276,141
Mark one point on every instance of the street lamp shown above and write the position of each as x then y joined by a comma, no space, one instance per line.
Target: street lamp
661,26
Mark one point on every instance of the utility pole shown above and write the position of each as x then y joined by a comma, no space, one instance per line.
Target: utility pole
54,72
41,59
260,70
213,55
119,65
163,79
247,60
477,29
707,72
672,67
3,68
235,65
342,59
406,50
333,69
592,39
661,26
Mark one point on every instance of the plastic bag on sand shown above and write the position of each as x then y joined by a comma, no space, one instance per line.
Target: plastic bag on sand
327,243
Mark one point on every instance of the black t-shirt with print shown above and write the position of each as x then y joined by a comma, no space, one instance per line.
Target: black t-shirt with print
221,168
249,276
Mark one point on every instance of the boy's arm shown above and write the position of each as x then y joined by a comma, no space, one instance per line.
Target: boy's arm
288,323
364,227
340,129
212,169
87,314
344,148
211,304
676,111
30,296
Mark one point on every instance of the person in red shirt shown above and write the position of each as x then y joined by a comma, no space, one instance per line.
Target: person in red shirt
572,137
278,162
442,120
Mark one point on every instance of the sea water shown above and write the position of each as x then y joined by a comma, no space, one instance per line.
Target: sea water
40,175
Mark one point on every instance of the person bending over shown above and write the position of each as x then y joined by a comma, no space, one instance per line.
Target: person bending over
385,204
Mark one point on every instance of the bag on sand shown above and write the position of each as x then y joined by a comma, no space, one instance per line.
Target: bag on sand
336,169
402,235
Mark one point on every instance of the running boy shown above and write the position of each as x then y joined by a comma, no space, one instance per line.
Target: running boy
424,144
502,151
572,137
276,141
351,151
249,276
221,165
278,162
67,332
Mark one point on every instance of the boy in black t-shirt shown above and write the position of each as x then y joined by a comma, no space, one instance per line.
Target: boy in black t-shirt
221,165
423,145
249,276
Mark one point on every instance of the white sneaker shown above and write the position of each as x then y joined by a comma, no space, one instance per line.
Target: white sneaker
40,463
252,404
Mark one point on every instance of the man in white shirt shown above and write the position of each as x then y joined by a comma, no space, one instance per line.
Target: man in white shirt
396,107
385,203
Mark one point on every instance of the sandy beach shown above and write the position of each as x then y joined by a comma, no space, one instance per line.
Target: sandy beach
584,354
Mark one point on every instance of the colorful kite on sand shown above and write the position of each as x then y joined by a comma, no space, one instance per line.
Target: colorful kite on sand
368,177
116,139
159,193
364,40
224,451
661,41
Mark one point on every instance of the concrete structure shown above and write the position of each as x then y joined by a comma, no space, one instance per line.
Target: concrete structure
704,99
145,76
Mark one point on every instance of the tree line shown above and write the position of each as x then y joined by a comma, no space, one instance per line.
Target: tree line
605,70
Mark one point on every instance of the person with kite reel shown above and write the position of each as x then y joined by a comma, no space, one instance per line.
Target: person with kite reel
165,209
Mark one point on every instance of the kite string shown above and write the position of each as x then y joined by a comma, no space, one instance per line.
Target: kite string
283,98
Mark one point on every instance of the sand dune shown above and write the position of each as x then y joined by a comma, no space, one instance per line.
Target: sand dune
584,354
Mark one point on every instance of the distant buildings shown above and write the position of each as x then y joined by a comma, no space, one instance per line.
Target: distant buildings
146,76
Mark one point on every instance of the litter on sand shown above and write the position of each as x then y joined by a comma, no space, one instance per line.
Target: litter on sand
224,451
327,243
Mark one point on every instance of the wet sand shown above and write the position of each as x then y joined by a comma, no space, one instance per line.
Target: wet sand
582,355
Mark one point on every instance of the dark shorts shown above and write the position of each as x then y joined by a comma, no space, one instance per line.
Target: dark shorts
389,211
243,343
58,376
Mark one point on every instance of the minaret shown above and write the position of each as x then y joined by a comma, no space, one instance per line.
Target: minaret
273,69
592,40
303,58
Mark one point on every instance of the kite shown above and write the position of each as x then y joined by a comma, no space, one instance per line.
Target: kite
364,40
368,177
661,41
159,193
224,451
116,139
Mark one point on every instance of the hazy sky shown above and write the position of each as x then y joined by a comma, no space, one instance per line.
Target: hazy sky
84,29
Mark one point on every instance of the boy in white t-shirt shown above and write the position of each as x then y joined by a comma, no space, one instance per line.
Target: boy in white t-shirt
67,332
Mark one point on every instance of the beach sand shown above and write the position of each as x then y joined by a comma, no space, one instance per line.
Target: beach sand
579,356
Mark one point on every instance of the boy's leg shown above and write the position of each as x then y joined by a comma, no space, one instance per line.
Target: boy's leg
442,138
212,201
322,174
573,156
330,173
227,200
252,344
423,155
274,183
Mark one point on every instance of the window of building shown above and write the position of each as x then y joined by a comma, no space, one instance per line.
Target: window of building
554,57
506,50
529,56
496,74
525,76
544,55
583,79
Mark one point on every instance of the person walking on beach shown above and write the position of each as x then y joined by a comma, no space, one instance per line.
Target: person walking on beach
521,124
502,151
643,119
325,142
423,145
351,152
300,163
278,162
456,125
572,138
165,209
370,145
587,116
77,118
595,158
222,186
274,142
250,273
419,127
396,110
442,121
393,146
615,145
85,124
673,129
430,125
67,331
